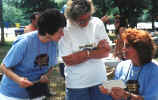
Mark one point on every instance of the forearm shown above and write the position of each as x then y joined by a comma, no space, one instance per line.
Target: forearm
99,53
83,56
133,96
76,58
8,72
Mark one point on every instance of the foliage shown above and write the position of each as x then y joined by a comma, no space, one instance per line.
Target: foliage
13,15
132,11
103,7
30,6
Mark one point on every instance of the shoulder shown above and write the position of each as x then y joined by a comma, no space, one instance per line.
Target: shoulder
28,26
155,66
96,20
155,62
151,68
24,38
123,65
126,62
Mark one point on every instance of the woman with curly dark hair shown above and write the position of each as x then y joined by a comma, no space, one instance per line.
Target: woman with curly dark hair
28,62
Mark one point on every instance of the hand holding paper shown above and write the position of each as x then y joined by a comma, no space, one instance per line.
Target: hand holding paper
114,83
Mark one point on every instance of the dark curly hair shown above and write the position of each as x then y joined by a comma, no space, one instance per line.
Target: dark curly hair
50,21
142,42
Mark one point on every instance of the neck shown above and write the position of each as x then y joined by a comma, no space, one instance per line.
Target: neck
42,39
136,62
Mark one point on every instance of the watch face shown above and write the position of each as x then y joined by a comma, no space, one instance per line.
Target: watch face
132,86
42,60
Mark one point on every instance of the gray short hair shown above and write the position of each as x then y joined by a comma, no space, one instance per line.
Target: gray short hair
77,8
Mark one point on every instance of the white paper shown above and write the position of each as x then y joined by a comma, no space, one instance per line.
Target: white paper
114,83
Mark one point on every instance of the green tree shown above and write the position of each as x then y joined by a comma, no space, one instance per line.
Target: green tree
30,6
103,7
13,15
130,10
153,11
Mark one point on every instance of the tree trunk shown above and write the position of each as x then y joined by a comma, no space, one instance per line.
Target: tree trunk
1,22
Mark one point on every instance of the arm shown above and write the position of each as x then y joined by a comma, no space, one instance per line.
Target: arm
118,93
45,78
150,91
22,81
101,51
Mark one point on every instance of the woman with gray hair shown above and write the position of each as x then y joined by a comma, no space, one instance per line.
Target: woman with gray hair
82,48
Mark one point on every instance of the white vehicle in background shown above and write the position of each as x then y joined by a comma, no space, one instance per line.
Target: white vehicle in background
19,31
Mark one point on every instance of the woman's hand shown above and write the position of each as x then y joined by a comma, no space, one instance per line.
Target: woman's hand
103,44
117,93
24,82
103,90
44,79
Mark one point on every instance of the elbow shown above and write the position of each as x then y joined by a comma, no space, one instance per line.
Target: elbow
3,68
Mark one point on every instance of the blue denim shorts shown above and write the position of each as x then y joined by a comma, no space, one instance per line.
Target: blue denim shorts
90,93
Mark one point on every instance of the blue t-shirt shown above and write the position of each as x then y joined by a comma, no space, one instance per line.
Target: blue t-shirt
24,59
146,76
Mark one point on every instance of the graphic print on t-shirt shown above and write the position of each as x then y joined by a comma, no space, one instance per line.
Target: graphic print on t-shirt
41,60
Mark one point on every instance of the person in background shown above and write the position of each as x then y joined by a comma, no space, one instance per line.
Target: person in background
84,44
117,23
31,57
119,44
33,26
139,72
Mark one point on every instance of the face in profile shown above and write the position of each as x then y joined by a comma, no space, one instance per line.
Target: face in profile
56,36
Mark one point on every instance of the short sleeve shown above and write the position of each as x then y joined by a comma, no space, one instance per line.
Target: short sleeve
151,89
101,32
16,53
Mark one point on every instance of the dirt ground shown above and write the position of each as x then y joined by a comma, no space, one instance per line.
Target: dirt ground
57,85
